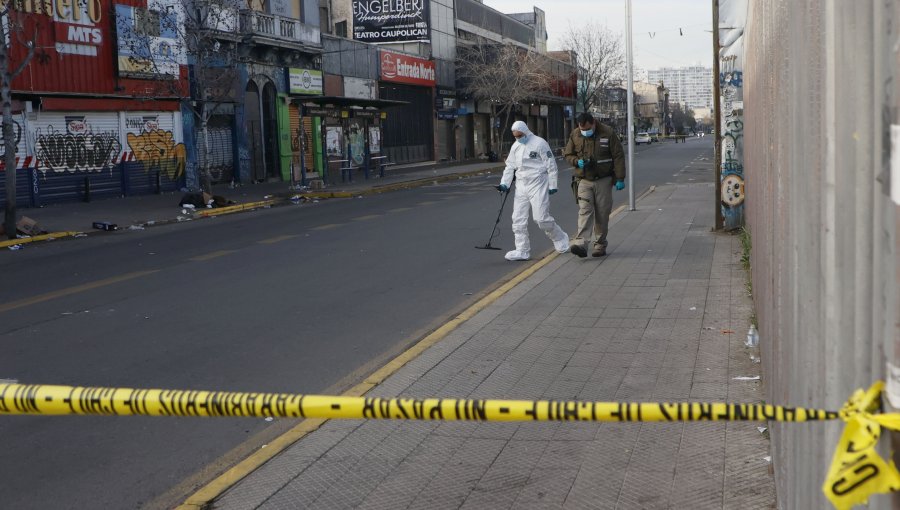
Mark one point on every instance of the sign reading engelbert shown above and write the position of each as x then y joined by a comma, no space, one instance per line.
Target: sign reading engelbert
400,68
384,21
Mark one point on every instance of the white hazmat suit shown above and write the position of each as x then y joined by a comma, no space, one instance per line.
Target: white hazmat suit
534,167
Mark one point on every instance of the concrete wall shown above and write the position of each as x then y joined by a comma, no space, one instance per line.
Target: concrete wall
821,94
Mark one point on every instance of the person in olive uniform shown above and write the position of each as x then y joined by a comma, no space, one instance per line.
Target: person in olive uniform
596,154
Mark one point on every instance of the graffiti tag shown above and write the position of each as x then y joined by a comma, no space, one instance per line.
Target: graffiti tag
85,151
157,150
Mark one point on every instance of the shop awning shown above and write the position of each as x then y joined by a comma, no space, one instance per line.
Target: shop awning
347,102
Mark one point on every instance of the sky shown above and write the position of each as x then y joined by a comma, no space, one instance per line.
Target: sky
655,26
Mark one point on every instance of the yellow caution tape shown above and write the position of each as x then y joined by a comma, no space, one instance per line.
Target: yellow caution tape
856,472
60,400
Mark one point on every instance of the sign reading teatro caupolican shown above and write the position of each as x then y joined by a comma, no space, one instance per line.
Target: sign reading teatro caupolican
387,21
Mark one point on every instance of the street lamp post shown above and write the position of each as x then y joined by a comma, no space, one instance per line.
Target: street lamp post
630,78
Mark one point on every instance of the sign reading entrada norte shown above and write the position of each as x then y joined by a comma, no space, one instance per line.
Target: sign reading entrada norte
400,68
383,21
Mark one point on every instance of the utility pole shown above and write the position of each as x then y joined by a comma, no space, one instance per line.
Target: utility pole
717,124
630,78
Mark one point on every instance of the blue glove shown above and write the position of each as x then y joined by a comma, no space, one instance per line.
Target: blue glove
581,164
552,191
620,185
502,187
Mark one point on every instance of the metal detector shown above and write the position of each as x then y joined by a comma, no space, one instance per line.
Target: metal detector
487,245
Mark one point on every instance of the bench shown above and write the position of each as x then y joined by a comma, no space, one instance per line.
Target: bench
381,162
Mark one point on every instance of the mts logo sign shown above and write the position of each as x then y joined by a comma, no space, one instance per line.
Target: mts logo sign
78,34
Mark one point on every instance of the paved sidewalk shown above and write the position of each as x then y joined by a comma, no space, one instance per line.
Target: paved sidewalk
663,318
147,210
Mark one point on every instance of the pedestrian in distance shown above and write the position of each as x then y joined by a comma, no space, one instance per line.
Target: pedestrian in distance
532,164
596,154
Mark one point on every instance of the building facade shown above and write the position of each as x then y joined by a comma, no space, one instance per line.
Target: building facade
691,86
90,119
271,98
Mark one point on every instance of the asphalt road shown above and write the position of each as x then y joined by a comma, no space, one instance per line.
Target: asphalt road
303,299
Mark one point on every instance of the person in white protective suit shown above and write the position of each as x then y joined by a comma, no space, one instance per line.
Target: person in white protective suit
532,164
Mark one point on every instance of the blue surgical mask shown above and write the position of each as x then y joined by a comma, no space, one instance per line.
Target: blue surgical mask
587,134
523,139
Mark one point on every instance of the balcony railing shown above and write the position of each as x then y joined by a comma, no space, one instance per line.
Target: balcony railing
278,27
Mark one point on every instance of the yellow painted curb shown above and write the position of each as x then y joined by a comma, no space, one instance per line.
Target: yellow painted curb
34,239
214,489
205,213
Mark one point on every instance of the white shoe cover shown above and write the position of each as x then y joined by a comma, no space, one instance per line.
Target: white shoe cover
562,246
516,255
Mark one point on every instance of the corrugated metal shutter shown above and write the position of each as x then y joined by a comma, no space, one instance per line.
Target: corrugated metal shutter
310,140
221,148
154,158
296,138
77,154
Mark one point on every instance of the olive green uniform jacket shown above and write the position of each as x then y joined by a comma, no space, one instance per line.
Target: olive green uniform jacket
602,153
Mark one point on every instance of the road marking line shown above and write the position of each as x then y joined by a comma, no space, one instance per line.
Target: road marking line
328,226
211,255
73,290
427,203
277,239
400,209
367,217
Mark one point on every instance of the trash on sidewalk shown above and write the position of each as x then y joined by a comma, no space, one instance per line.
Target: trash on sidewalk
752,337
136,227
204,201
105,225
746,378
762,429
25,226
15,247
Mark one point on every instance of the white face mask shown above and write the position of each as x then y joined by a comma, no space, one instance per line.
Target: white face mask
587,133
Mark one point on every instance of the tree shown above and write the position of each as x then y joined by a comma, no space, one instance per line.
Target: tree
683,119
599,59
503,75
202,34
16,46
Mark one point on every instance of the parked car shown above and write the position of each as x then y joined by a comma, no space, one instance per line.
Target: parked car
642,138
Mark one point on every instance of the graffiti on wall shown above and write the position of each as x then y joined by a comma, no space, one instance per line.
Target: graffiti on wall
78,149
731,82
158,150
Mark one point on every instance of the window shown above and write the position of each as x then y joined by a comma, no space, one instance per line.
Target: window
146,22
340,28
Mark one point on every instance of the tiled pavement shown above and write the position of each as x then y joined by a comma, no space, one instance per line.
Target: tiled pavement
661,319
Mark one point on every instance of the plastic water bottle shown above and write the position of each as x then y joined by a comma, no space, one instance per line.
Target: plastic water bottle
752,337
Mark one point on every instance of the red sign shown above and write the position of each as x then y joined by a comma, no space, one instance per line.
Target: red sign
78,34
400,68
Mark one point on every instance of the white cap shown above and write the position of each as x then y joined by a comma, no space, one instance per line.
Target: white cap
521,127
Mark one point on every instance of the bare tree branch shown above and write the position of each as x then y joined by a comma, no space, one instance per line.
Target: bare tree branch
11,30
504,75
600,60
